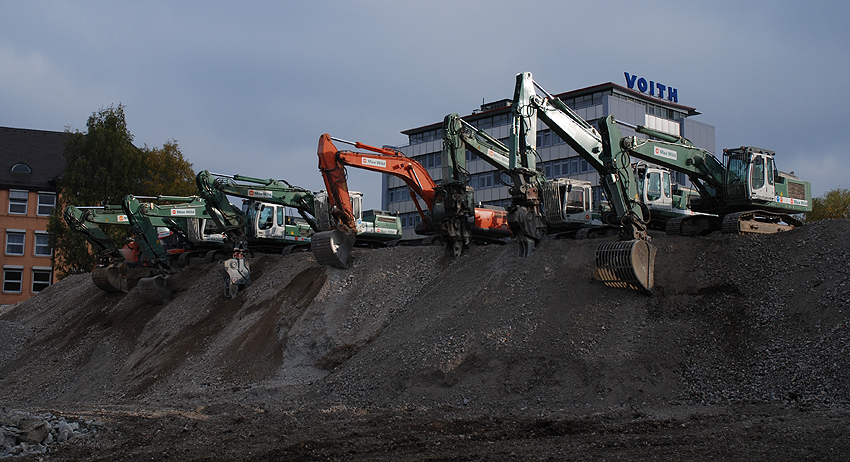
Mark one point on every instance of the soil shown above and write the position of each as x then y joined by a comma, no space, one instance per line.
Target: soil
741,353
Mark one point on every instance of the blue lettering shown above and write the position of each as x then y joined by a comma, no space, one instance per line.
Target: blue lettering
651,86
673,95
630,80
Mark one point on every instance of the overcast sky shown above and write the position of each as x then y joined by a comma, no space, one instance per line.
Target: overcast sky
248,87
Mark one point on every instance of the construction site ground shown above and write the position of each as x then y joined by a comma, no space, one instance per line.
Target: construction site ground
741,354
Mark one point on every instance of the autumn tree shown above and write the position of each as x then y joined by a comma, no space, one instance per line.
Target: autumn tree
167,172
102,167
833,204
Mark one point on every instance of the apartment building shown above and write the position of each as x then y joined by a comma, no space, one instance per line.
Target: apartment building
30,164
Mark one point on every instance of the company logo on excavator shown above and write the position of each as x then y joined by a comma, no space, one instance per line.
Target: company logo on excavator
182,212
374,162
666,153
122,218
255,193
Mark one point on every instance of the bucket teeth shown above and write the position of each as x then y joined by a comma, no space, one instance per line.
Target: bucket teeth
332,248
627,264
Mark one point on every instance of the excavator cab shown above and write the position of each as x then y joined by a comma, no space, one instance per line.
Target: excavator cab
750,174
654,186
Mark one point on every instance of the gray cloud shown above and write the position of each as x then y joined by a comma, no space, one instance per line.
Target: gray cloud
248,88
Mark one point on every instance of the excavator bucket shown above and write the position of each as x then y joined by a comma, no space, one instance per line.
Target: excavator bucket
332,247
627,264
111,278
155,289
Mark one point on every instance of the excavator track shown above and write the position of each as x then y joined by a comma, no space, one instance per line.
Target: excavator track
332,248
112,278
674,226
758,222
155,289
627,264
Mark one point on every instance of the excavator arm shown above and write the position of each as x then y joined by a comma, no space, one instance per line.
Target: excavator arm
111,274
630,262
332,163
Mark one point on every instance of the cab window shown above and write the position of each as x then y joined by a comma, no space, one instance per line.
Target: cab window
266,217
758,173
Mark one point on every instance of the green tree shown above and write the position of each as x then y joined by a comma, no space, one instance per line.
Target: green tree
167,172
833,204
102,167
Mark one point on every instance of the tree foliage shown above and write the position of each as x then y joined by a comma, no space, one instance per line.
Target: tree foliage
102,167
833,204
167,172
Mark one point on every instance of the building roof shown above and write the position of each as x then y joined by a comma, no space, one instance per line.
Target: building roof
41,151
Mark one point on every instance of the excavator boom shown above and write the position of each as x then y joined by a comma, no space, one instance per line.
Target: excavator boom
629,263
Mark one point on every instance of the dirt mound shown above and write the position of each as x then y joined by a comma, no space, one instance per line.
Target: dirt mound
735,319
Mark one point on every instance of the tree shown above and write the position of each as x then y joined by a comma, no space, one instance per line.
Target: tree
167,172
833,204
102,167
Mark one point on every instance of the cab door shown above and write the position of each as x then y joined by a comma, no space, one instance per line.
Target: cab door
270,221
761,177
656,189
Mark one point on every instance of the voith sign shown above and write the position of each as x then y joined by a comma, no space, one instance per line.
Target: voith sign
652,88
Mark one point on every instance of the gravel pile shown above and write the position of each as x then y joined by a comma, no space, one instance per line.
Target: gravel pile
735,319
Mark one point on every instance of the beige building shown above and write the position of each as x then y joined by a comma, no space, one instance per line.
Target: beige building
30,164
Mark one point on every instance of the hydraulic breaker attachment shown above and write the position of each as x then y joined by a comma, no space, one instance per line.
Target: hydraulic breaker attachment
155,289
111,278
237,275
332,247
627,264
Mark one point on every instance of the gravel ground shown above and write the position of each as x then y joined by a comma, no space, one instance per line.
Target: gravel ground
740,354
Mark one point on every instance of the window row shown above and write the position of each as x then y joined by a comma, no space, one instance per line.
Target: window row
16,243
564,167
398,194
410,220
19,198
430,160
13,279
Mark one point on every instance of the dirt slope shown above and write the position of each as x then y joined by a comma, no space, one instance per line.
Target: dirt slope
735,319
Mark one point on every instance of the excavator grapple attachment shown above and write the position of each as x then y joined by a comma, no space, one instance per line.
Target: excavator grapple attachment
627,264
111,278
155,289
332,247
237,275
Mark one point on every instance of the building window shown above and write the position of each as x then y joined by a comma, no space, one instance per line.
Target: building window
42,245
46,203
13,279
398,194
18,201
41,279
21,168
15,242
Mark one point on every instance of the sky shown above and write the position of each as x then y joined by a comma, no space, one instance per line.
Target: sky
248,87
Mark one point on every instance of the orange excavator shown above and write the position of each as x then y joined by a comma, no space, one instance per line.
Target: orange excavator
442,217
